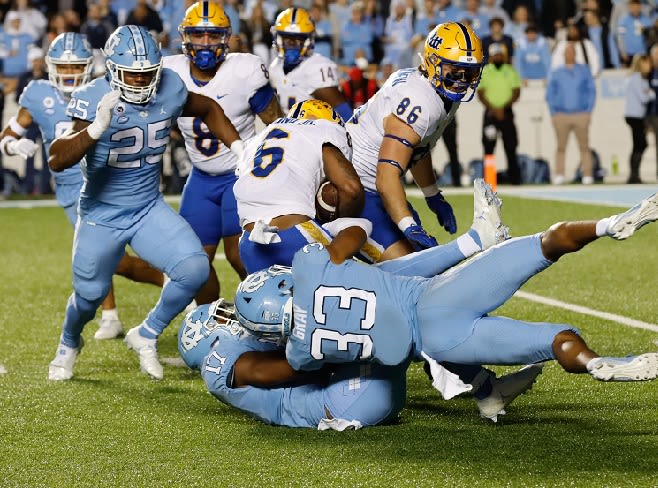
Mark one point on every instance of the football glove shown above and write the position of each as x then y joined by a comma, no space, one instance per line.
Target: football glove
103,114
443,211
419,238
24,148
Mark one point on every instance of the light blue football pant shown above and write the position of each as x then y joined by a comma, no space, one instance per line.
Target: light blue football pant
67,197
452,311
371,394
163,239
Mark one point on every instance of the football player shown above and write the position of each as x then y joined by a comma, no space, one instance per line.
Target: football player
70,64
252,375
239,83
121,127
297,72
395,131
280,174
336,310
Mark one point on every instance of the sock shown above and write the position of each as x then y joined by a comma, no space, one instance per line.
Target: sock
591,363
110,314
469,243
602,227
147,332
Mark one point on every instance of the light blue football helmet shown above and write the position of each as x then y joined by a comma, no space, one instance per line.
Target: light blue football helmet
263,302
203,327
69,48
131,49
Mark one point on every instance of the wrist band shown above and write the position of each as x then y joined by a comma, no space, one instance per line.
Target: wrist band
430,191
16,127
406,222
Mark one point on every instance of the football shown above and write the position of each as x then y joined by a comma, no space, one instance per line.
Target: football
326,202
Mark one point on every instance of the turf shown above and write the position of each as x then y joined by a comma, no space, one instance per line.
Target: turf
111,426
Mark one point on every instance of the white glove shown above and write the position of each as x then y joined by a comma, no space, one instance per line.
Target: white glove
103,114
24,148
263,233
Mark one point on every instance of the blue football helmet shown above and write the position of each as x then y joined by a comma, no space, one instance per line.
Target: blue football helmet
263,302
132,50
205,21
202,328
72,52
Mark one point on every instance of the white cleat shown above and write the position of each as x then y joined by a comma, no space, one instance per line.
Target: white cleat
505,389
109,329
624,225
487,218
147,351
631,368
61,368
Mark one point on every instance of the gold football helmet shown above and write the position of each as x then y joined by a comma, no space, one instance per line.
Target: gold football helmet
452,60
314,109
205,30
294,36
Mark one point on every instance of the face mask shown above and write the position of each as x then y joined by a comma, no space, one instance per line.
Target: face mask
361,63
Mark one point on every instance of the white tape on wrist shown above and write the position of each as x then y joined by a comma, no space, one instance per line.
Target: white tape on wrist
16,127
95,131
430,191
406,222
335,226
237,148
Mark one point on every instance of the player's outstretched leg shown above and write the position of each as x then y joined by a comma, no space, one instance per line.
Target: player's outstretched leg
624,225
487,217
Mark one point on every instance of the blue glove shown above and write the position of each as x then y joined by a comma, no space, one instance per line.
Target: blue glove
418,238
443,211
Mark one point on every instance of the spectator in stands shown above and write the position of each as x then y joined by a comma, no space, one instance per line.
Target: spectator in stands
57,24
629,32
144,15
122,9
555,15
492,8
520,20
356,34
359,87
570,95
96,28
499,89
14,44
602,38
340,13
533,56
397,35
33,22
585,51
323,38
373,16
107,14
652,115
425,22
478,20
447,11
638,95
497,35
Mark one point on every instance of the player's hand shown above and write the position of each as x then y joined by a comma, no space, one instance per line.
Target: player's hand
419,238
103,114
24,148
443,211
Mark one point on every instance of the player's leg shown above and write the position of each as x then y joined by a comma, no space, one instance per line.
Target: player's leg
96,251
139,271
109,326
165,240
231,230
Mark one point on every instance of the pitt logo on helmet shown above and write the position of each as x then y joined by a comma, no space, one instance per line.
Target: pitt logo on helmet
294,36
453,60
205,31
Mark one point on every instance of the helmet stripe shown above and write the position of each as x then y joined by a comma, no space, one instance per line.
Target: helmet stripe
68,41
205,14
469,46
140,47
297,110
293,18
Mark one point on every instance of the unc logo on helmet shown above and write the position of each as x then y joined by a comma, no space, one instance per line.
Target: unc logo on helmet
70,61
294,36
453,60
205,30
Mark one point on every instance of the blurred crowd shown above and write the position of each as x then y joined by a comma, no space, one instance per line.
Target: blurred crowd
368,39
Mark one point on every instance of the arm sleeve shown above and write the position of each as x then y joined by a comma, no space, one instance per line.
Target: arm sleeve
262,98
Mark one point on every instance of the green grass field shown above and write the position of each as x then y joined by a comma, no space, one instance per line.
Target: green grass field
112,426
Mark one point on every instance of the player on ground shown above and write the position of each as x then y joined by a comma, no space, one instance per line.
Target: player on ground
335,310
121,126
239,83
280,174
395,131
70,63
297,72
253,376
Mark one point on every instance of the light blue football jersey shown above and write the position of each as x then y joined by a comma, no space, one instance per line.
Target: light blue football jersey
122,171
350,312
47,106
361,394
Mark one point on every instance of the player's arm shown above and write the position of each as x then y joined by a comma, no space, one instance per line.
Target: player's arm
214,117
11,142
70,147
341,173
350,235
334,97
271,112
266,369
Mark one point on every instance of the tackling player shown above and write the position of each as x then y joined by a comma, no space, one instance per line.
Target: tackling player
395,131
238,82
70,63
297,72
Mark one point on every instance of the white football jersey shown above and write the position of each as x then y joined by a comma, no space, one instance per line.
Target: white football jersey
237,79
282,168
298,85
408,95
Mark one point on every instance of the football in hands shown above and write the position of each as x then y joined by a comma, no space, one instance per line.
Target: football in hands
326,202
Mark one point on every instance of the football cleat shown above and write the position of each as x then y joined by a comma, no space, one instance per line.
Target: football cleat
147,351
61,368
624,225
487,219
109,329
505,389
631,368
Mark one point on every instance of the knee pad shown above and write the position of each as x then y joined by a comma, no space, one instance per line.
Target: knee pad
192,271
